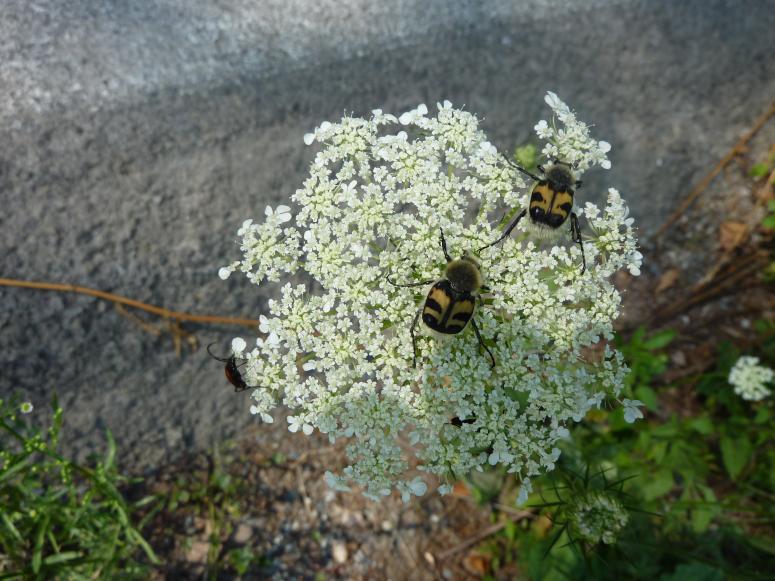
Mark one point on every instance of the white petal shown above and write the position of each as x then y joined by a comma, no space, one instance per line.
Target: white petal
263,324
552,100
224,273
604,146
268,211
418,487
309,138
422,109
238,345
307,429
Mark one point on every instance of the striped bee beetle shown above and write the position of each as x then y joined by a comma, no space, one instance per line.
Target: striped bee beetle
551,203
231,371
451,301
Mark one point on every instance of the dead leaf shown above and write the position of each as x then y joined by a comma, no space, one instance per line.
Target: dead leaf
460,489
667,280
732,234
476,564
198,552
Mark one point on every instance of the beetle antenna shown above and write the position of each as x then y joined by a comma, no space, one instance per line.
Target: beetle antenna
221,359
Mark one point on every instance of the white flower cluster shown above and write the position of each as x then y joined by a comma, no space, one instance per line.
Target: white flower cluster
597,517
571,143
339,352
749,378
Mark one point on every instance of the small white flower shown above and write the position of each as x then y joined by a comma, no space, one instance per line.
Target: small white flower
294,423
488,147
281,215
238,345
309,138
632,410
749,378
263,324
224,273
444,489
542,129
26,407
414,115
335,482
553,100
597,517
524,491
255,410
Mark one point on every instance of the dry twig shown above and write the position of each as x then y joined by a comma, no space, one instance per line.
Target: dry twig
717,169
121,300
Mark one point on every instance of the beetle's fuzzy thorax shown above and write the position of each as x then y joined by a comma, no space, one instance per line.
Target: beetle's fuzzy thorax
560,177
464,275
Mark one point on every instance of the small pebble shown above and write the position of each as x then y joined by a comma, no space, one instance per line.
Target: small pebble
339,551
243,533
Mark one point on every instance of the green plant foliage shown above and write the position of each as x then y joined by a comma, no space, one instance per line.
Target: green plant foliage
697,481
527,156
61,519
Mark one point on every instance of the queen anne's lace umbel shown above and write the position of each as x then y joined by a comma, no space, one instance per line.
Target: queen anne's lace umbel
339,354
750,379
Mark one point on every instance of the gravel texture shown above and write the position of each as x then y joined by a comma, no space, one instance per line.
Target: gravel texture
136,137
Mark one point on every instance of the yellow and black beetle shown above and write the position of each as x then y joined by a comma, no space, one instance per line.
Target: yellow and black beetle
451,301
551,203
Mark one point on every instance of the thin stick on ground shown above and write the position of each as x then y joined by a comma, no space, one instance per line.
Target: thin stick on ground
121,300
484,533
717,169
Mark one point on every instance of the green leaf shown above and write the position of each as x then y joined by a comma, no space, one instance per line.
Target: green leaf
766,544
762,416
659,340
701,424
660,483
735,452
648,396
10,526
526,156
769,221
694,572
40,536
771,205
510,530
701,518
759,170
61,557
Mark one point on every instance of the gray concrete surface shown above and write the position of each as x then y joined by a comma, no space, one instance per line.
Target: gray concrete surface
136,136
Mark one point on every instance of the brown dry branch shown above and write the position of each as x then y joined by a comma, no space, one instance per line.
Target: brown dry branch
485,533
173,318
160,311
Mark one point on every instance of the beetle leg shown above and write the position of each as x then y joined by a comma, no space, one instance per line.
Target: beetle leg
575,231
507,231
481,343
421,283
444,246
531,175
414,338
